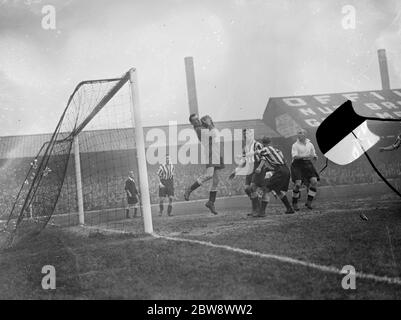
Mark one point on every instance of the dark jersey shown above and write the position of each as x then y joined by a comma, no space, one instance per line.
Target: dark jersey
130,186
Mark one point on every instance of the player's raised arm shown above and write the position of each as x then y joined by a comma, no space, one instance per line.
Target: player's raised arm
261,164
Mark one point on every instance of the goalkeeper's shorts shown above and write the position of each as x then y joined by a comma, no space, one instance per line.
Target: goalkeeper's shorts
132,200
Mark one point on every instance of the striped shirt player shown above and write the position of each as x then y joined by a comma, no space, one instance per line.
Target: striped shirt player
247,165
166,185
394,146
276,175
303,170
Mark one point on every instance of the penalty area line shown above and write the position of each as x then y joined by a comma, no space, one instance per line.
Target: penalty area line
322,268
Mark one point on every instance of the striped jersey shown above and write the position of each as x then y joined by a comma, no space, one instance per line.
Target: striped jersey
272,157
251,150
166,171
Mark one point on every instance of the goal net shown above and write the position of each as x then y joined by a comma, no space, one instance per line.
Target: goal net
79,175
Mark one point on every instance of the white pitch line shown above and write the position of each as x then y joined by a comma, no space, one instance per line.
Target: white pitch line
323,268
106,230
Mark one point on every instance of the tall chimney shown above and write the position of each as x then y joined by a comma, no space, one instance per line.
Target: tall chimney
191,85
381,53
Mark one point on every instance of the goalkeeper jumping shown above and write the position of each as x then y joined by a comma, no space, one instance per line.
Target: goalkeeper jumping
210,139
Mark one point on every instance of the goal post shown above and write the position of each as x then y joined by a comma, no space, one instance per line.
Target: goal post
136,118
78,178
141,152
80,175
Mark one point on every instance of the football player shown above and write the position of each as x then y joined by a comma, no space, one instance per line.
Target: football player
303,170
249,162
166,185
132,194
215,162
277,175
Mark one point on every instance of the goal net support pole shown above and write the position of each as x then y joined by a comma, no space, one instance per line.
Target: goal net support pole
141,154
78,178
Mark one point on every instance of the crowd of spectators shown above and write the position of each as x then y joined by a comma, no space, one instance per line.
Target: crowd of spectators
104,189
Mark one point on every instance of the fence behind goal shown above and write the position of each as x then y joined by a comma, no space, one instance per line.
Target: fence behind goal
79,174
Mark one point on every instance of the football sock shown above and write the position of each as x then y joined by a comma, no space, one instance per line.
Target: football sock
311,193
255,203
212,196
195,186
284,199
263,206
248,191
296,194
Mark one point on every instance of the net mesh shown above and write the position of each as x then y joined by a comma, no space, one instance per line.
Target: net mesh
98,119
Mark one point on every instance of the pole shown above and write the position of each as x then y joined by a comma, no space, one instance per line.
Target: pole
385,79
78,178
141,153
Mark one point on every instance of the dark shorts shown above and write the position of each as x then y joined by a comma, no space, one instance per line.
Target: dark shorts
167,190
280,180
258,179
303,170
248,179
132,200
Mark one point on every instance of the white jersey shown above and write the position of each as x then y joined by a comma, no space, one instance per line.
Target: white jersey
300,149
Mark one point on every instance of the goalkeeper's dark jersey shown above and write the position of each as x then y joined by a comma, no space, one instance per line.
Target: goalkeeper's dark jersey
130,186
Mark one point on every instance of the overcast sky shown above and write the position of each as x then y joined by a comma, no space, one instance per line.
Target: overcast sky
244,52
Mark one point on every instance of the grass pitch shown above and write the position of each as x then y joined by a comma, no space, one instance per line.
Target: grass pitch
107,265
